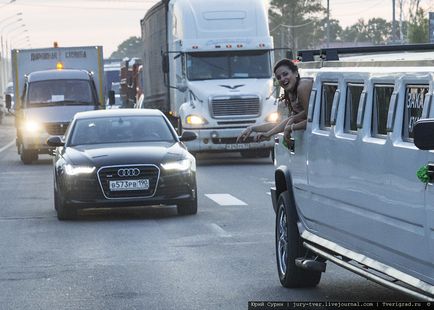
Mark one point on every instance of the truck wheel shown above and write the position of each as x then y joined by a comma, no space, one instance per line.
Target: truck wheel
27,156
289,247
187,208
64,211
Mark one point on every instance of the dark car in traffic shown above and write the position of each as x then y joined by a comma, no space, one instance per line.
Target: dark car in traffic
120,158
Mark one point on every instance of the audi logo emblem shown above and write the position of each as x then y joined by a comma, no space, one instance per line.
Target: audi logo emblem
128,172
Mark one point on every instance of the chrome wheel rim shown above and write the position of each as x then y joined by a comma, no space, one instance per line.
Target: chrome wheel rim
282,240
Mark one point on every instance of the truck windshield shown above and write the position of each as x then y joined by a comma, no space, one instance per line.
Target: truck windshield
228,65
74,92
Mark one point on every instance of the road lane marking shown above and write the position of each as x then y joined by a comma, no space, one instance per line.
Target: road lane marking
226,200
219,231
7,146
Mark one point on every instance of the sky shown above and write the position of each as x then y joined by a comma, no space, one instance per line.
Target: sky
110,22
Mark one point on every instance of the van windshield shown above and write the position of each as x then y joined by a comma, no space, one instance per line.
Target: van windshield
228,65
68,92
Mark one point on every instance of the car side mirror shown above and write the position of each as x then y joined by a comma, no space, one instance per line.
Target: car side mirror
423,132
111,97
8,101
55,141
188,136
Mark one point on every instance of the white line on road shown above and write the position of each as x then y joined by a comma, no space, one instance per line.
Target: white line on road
7,146
219,231
226,200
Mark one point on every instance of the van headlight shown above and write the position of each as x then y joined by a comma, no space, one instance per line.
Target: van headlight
32,126
75,170
194,119
181,165
273,117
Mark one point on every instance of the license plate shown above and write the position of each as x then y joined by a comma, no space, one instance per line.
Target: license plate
239,146
129,185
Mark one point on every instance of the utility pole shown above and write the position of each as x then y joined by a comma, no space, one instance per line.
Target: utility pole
328,23
393,23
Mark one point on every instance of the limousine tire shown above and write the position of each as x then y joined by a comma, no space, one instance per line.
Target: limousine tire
289,247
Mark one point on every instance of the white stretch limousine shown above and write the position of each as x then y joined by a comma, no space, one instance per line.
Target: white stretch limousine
353,188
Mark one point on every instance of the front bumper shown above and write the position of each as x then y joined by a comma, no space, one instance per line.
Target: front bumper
87,192
37,143
223,140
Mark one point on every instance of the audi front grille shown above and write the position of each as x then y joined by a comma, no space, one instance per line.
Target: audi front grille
243,106
128,173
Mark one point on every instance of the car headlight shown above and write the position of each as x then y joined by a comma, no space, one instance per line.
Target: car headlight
32,126
74,170
194,119
181,165
272,117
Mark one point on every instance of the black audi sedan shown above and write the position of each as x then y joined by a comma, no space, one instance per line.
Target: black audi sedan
122,157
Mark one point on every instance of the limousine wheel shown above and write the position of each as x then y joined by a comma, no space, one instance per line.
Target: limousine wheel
289,247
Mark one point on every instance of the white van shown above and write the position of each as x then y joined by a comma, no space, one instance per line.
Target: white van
347,189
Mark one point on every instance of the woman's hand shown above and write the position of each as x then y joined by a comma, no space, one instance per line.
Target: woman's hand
287,132
263,136
245,134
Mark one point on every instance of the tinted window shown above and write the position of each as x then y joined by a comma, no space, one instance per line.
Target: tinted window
328,93
120,129
413,107
380,109
222,65
354,91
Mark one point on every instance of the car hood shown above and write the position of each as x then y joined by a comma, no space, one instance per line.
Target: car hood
125,154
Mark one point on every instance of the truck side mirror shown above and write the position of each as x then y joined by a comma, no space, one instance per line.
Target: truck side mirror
182,86
423,132
165,63
8,101
111,97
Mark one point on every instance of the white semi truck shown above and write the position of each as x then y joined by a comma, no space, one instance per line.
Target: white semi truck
208,66
51,85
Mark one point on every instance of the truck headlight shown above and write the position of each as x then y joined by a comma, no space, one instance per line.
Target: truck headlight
181,165
194,119
272,117
74,170
32,126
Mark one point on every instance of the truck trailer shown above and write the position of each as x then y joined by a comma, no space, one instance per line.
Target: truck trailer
208,67
51,85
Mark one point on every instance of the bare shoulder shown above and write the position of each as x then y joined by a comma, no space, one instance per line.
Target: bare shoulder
305,87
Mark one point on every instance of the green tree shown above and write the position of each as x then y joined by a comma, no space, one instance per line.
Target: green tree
292,22
320,34
379,31
131,47
418,27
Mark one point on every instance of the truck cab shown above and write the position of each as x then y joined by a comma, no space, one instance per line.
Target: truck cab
49,100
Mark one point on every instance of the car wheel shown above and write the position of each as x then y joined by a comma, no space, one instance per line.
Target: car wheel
64,211
187,208
289,247
27,156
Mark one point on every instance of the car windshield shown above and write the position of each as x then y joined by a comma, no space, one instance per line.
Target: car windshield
120,129
225,65
60,91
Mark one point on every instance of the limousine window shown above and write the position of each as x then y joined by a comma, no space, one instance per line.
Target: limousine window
328,93
380,109
413,107
354,91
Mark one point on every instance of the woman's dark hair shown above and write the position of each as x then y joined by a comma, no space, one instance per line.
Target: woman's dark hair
293,67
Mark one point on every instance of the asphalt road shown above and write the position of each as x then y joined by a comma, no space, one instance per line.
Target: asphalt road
149,257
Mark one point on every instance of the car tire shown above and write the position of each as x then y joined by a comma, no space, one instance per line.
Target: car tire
187,208
64,212
289,247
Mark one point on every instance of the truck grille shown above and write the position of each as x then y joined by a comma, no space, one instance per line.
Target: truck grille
56,129
107,174
248,106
